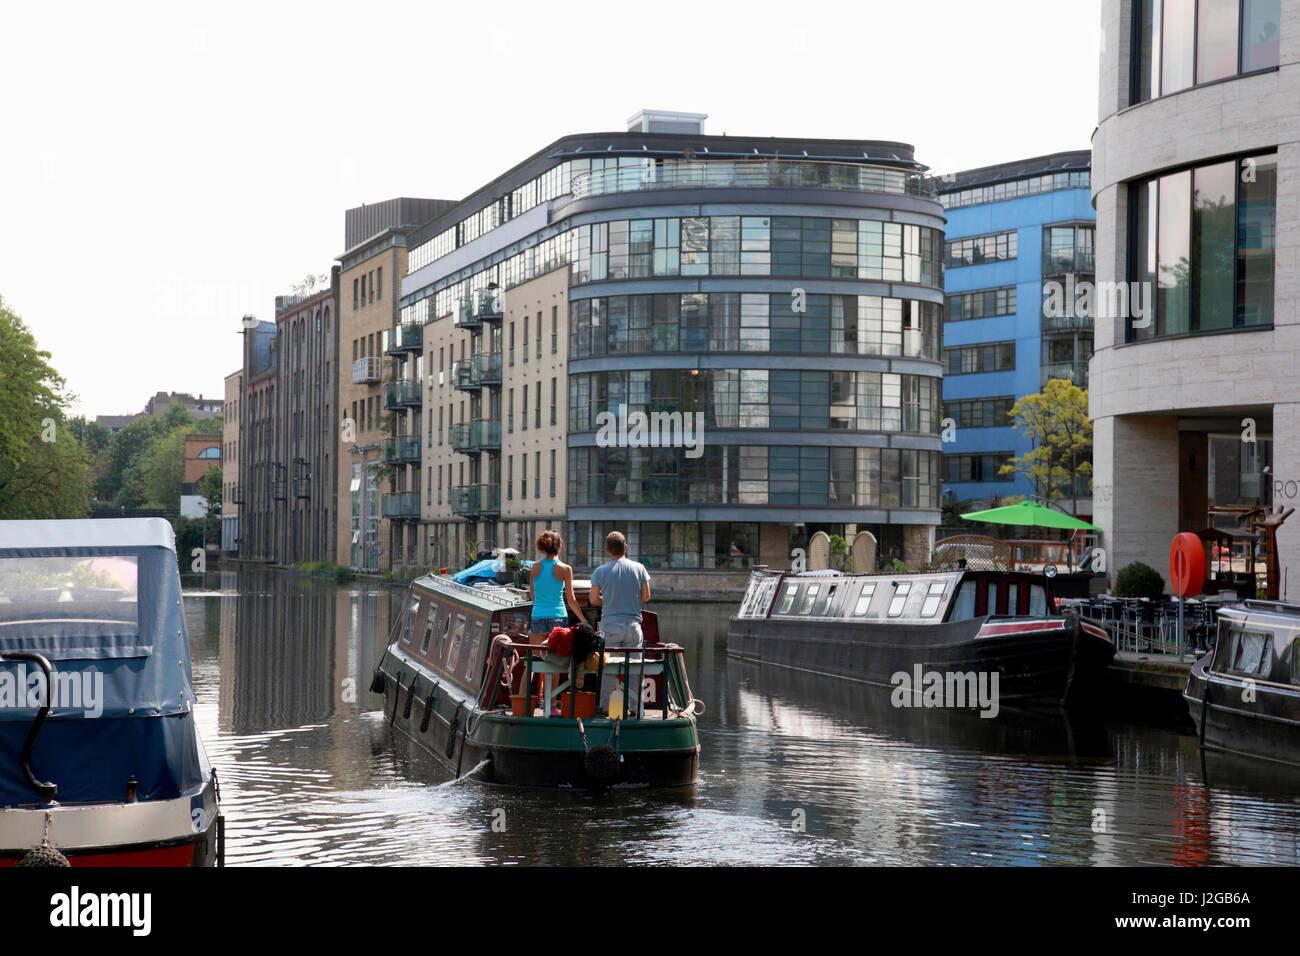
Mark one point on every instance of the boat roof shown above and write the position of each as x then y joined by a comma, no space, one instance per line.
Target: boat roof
487,598
1254,607
30,538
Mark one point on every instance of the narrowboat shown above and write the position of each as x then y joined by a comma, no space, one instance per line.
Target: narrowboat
962,638
100,758
1244,695
458,680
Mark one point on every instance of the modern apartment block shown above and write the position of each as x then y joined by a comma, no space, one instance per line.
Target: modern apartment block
370,277
1196,178
290,430
230,463
1014,230
576,316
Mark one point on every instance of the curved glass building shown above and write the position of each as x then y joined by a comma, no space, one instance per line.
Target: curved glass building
715,344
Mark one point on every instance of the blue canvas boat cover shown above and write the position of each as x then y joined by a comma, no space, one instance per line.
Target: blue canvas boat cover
101,601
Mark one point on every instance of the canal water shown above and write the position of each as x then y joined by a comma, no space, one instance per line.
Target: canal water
795,768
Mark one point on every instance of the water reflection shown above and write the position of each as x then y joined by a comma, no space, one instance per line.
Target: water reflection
796,768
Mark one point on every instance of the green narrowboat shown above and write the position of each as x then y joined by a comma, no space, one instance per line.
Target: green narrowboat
460,679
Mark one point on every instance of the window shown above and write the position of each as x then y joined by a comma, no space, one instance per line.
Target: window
1037,601
980,413
428,632
976,467
512,343
1250,653
809,596
787,599
1177,44
537,407
457,644
553,400
473,651
964,607
1025,186
552,472
864,599
539,335
982,304
525,350
537,474
1203,242
510,411
523,476
899,600
510,477
933,598
976,250
555,328
379,282
355,294
992,357
523,416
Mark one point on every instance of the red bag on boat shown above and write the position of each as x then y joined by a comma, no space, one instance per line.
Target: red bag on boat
560,641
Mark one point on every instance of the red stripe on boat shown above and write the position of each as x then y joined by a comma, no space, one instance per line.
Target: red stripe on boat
182,855
993,630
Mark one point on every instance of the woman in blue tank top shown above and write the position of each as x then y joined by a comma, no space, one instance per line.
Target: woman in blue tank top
551,588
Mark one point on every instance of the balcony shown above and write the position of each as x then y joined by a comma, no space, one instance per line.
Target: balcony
462,377
470,438
403,338
1076,372
402,450
485,368
365,371
485,305
754,173
1058,262
482,369
403,506
471,501
402,395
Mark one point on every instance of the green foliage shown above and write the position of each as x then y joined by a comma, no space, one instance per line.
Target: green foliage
839,553
951,511
1056,421
338,572
897,566
44,471
1139,580
210,487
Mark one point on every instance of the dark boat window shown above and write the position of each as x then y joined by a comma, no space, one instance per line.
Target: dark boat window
901,591
933,598
992,598
473,650
412,613
864,599
828,601
457,644
1251,653
1037,600
1295,659
429,628
787,599
809,596
964,607
444,626
1013,598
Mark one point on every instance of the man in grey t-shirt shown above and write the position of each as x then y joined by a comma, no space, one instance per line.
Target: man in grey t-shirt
619,588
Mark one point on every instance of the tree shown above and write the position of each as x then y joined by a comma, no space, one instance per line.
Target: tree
43,468
1056,422
211,488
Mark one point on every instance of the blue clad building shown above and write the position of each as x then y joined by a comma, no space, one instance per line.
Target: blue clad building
1012,229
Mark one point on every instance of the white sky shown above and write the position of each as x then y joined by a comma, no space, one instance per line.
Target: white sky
167,167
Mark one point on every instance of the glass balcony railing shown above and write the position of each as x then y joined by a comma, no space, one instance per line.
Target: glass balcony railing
1076,372
404,505
462,376
401,394
472,500
403,338
1063,261
485,368
470,438
763,173
402,449
484,305
366,371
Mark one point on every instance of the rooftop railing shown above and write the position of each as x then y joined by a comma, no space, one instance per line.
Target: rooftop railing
759,173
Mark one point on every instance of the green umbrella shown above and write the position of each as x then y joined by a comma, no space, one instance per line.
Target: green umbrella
1030,514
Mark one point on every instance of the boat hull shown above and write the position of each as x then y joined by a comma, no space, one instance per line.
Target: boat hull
185,831
444,722
1266,727
1052,661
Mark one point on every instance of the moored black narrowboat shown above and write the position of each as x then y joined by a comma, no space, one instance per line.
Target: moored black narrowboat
1244,696
458,680
963,638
